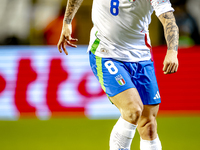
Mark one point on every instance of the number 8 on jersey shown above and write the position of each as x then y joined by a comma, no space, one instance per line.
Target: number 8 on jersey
114,7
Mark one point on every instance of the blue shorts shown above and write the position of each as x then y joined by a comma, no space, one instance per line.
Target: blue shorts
117,76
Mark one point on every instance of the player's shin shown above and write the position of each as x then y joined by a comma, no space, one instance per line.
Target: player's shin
122,135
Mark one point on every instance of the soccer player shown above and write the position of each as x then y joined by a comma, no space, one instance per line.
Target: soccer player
120,58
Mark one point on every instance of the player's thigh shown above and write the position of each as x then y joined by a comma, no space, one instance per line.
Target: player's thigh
127,99
129,104
115,80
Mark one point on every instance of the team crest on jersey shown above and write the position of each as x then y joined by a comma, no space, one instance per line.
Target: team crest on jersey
162,1
120,80
131,1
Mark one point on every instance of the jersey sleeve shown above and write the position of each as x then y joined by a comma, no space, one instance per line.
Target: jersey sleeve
161,6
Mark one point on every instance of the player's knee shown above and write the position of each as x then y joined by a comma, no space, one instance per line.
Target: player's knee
132,115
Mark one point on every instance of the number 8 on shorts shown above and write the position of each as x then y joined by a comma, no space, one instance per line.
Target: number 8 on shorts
111,67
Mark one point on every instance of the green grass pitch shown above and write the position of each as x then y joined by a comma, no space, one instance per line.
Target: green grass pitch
176,133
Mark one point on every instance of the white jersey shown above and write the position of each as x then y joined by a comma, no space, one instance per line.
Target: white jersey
120,28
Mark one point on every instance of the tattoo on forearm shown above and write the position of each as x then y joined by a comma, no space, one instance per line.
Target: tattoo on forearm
71,10
171,31
168,15
68,21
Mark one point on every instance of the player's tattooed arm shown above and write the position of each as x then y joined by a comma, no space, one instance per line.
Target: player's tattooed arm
170,29
71,9
65,36
170,64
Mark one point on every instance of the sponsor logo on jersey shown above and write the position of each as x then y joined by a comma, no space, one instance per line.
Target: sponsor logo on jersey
162,1
120,80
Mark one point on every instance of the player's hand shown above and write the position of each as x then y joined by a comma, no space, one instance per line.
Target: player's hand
171,62
65,38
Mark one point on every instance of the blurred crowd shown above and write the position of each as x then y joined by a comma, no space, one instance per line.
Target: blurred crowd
25,21
188,20
39,22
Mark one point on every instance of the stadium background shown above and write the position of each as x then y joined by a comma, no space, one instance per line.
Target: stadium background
52,101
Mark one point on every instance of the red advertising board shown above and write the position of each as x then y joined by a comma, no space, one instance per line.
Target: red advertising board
39,81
